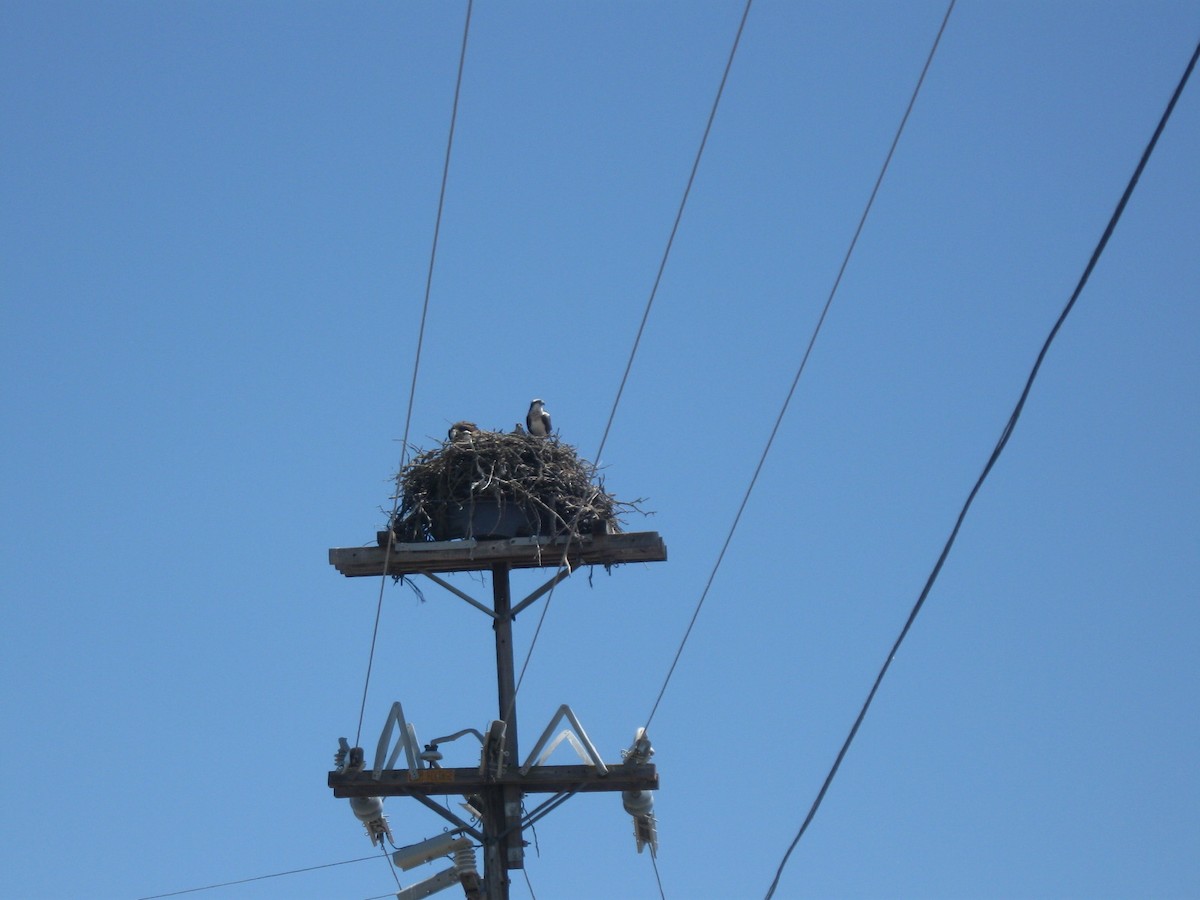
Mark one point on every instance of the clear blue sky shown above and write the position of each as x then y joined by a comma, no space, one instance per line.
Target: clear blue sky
216,226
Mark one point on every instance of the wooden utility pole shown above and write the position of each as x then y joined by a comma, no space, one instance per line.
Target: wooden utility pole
503,849
499,784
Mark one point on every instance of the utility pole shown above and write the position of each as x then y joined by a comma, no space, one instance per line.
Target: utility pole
500,783
503,848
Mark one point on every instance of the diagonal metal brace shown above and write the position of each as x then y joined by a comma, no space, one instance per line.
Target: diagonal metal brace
450,817
561,575
456,592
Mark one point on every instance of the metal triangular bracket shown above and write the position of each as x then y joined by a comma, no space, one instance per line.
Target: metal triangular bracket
579,740
407,743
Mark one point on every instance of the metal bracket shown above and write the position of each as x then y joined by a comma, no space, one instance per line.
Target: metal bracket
407,743
561,575
492,759
460,594
369,811
586,750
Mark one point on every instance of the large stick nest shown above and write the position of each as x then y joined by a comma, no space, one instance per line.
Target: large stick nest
487,484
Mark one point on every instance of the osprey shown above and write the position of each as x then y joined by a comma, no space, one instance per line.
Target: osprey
537,420
461,430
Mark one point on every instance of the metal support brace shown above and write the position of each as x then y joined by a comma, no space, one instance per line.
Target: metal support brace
587,752
562,575
407,742
450,817
456,592
569,737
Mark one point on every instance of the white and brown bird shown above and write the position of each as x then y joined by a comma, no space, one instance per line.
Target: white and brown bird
537,420
462,430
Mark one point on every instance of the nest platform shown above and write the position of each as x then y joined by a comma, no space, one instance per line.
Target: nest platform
514,553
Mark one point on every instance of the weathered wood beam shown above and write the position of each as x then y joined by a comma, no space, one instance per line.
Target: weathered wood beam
516,553
539,780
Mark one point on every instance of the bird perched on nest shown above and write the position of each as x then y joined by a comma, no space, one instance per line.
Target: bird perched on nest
537,420
461,430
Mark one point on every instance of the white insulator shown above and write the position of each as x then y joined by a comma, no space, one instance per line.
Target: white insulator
367,809
464,860
416,854
445,879
638,803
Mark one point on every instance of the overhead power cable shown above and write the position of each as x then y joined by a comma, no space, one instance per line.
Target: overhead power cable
1005,434
391,866
712,115
210,887
528,883
800,370
412,391
657,878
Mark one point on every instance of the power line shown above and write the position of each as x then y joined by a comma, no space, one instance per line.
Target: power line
657,878
412,391
209,887
528,883
645,316
803,364
1009,426
712,114
391,866
437,228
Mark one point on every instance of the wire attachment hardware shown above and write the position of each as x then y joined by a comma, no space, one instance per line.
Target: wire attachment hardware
640,804
348,759
369,811
433,756
493,758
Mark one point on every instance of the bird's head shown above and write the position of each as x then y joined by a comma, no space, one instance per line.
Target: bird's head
536,403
